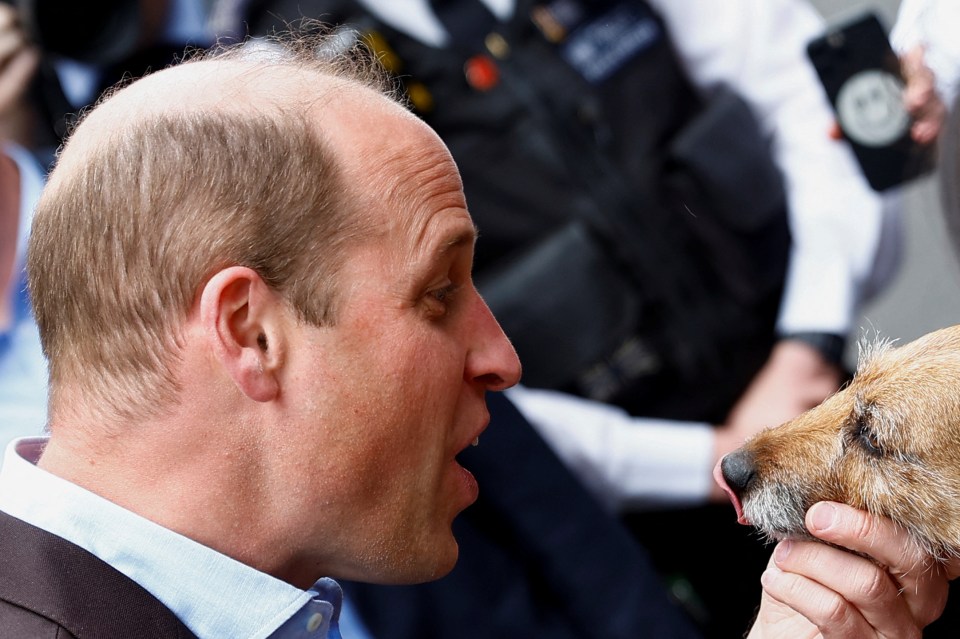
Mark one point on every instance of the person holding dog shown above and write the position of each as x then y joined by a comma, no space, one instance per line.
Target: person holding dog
252,278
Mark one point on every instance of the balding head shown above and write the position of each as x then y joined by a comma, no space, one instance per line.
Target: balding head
219,161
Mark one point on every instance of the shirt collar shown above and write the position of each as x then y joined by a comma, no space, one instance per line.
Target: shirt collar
212,594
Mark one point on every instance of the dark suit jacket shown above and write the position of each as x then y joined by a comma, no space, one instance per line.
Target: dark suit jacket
52,588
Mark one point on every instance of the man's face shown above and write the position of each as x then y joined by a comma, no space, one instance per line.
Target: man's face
398,383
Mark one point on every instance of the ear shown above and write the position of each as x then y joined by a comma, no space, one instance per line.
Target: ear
243,319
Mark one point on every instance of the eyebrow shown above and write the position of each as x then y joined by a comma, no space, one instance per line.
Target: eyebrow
461,238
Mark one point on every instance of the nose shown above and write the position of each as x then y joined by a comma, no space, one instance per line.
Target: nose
738,470
492,361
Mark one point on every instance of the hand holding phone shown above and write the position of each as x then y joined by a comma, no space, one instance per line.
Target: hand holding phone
861,76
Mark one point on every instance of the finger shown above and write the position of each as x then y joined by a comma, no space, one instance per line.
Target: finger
826,609
921,580
924,132
777,619
853,586
912,62
920,96
835,133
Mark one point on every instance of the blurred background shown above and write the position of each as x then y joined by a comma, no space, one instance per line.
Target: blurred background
925,294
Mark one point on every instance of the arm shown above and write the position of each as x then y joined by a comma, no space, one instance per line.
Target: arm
814,590
626,462
631,463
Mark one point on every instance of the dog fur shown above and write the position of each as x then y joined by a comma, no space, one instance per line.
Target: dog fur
888,443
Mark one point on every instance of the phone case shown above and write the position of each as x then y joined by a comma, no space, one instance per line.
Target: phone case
861,76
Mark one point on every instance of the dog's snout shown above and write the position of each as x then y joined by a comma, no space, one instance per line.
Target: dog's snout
738,470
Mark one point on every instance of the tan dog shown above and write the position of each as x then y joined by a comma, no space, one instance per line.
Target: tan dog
888,443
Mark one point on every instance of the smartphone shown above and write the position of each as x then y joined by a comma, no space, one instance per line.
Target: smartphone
861,76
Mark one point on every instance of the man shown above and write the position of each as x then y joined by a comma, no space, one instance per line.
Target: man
285,350
252,280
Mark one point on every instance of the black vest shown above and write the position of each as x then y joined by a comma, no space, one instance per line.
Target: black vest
633,233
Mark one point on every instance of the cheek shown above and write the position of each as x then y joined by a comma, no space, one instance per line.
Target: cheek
405,403
425,367
406,381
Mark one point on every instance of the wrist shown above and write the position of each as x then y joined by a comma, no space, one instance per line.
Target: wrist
830,346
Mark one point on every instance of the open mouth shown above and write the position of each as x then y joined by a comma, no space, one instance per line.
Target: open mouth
734,499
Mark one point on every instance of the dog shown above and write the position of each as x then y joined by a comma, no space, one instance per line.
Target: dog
887,443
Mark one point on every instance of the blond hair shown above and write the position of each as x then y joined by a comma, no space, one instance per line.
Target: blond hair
125,236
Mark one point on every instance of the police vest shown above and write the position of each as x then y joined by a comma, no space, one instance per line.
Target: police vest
633,232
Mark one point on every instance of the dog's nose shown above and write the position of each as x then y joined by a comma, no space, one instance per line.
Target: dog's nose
738,470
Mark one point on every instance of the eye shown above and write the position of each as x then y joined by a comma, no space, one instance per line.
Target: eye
438,300
867,439
444,294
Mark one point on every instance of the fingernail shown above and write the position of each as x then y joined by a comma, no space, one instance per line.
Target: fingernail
823,516
782,550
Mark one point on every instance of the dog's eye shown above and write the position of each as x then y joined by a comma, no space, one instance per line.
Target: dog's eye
868,439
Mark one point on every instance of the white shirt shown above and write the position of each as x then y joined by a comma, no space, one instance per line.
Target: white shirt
837,221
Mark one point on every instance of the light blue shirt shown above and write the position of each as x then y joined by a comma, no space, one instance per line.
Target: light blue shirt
23,368
212,594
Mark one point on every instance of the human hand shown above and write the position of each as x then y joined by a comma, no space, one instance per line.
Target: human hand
795,378
811,590
920,97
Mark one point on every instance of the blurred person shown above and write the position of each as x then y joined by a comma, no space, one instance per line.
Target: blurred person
586,130
23,371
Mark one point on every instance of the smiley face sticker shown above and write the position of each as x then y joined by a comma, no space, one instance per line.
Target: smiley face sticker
870,108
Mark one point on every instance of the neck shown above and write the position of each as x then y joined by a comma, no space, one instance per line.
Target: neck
201,480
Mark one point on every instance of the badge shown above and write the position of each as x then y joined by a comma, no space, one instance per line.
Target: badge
600,46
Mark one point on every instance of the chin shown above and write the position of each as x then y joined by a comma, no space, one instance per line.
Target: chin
425,564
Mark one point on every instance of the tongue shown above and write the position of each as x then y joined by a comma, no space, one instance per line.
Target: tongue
718,477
